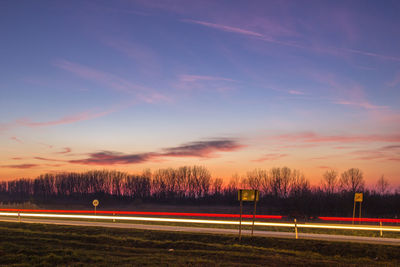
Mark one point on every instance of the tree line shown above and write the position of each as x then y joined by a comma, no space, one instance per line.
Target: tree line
282,190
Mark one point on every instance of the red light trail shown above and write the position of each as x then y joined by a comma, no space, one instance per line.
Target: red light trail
215,215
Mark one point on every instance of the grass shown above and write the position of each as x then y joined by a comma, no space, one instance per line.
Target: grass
386,234
50,245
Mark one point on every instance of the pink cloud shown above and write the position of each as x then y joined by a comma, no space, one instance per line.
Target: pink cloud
114,82
295,92
311,137
321,158
200,149
203,149
65,151
143,56
364,104
112,158
371,54
343,147
6,126
324,167
16,139
224,28
47,159
203,82
270,157
195,78
302,45
98,76
46,145
64,120
298,146
20,166
382,154
395,81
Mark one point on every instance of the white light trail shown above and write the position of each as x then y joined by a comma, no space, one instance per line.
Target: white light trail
153,219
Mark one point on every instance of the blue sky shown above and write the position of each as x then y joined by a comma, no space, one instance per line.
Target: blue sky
312,85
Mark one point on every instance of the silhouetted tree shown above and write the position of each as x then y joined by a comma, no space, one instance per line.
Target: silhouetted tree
352,181
329,182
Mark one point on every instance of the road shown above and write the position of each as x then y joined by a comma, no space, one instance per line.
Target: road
324,237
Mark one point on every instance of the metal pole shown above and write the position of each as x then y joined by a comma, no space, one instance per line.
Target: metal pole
19,217
381,228
354,210
114,218
295,228
359,221
240,222
254,215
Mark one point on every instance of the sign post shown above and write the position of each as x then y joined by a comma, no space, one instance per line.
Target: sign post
358,197
95,204
247,195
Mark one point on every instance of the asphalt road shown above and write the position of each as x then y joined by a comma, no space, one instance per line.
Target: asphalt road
325,237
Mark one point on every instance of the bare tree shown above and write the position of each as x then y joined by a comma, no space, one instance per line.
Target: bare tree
253,179
299,185
217,186
330,181
258,179
275,181
352,180
382,185
286,174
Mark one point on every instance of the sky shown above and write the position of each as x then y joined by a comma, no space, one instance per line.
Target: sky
230,85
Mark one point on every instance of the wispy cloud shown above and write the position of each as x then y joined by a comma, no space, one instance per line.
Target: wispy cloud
385,153
295,92
204,82
46,145
311,137
224,28
363,104
16,139
48,159
101,77
200,149
142,56
324,167
112,158
20,166
195,78
270,157
112,81
87,115
65,151
394,147
395,81
83,116
296,44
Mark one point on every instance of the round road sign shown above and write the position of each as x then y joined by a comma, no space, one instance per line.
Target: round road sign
95,202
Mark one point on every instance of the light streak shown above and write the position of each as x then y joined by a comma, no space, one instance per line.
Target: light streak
349,219
152,213
153,219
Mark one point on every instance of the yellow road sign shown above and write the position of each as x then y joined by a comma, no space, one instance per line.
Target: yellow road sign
95,202
248,195
358,197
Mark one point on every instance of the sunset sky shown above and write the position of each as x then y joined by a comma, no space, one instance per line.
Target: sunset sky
229,85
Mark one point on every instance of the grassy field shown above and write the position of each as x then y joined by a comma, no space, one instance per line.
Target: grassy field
386,234
50,245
